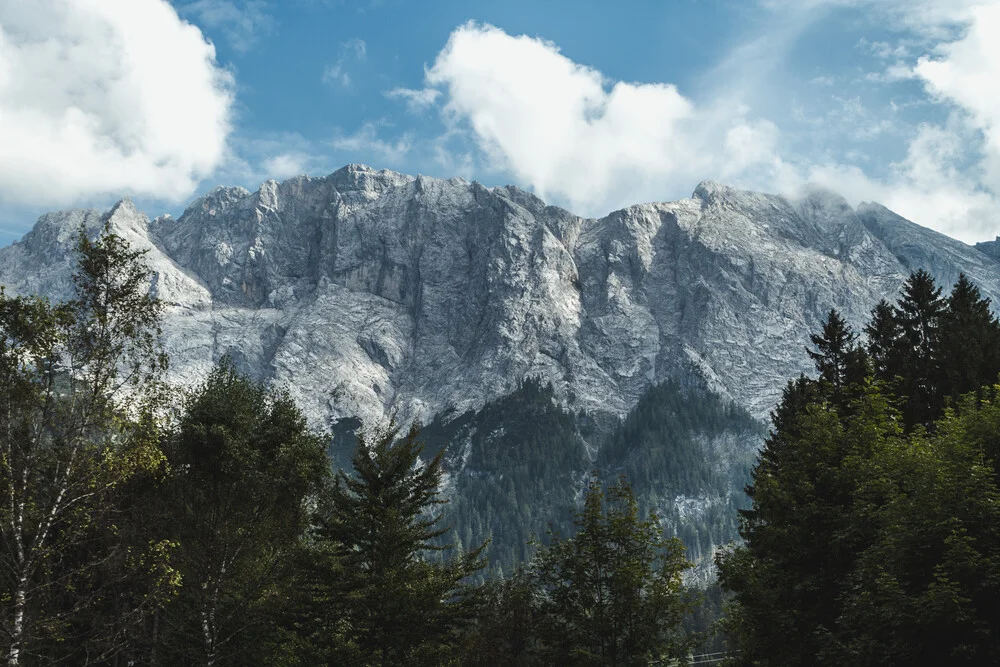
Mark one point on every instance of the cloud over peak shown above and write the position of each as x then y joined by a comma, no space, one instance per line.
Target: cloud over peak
569,132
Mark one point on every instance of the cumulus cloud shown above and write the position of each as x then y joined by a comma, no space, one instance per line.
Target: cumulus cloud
568,132
965,72
90,105
950,176
594,144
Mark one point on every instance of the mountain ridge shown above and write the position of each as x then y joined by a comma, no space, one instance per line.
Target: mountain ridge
372,293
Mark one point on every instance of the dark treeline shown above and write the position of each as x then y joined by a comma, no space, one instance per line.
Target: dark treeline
874,532
139,527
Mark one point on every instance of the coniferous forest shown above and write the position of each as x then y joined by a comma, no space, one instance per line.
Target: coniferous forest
142,525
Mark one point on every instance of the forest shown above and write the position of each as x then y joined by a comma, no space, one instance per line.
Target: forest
146,526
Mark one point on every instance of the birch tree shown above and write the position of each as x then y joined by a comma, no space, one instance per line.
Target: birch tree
79,389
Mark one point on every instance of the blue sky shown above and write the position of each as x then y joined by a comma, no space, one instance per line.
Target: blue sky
593,105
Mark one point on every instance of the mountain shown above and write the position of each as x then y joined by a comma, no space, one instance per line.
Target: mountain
372,293
533,344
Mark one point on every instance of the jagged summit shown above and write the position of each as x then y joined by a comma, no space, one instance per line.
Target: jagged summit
370,292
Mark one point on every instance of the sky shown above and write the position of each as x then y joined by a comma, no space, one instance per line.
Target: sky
591,105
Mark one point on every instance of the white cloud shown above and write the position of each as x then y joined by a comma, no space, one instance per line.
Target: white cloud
90,105
366,142
568,132
351,51
286,165
966,73
594,144
242,25
927,186
336,73
416,100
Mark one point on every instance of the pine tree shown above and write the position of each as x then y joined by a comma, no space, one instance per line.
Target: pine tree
919,312
612,593
884,336
969,342
397,605
839,361
805,529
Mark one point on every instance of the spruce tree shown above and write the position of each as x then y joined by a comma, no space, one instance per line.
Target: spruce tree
805,530
884,336
400,602
969,346
919,312
839,361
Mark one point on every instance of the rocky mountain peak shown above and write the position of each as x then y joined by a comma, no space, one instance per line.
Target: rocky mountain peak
990,248
372,293
709,190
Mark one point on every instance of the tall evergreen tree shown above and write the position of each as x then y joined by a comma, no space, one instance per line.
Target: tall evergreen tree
839,361
612,593
969,346
398,605
926,591
866,545
919,312
804,531
884,336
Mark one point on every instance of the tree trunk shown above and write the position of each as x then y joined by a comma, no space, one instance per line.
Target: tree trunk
17,627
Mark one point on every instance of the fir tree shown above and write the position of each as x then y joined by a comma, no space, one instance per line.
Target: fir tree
397,605
839,361
884,336
969,346
804,532
612,593
919,312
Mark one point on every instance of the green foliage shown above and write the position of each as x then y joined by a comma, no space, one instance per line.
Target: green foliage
969,342
609,594
840,362
688,443
873,533
805,531
612,593
80,394
517,465
246,470
929,350
926,591
393,606
507,613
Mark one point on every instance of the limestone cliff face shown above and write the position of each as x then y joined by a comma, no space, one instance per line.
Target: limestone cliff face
372,293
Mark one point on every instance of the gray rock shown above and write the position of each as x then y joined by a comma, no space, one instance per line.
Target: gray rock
371,293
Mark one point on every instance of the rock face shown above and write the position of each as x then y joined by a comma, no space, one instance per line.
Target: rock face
372,293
